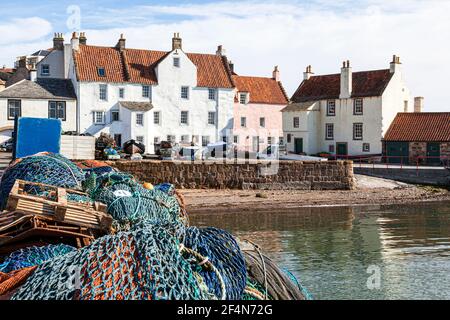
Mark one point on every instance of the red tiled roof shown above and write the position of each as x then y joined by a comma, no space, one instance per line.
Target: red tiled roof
138,66
262,90
7,70
420,127
365,84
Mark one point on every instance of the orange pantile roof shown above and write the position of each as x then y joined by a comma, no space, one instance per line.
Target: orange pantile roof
262,90
420,127
138,66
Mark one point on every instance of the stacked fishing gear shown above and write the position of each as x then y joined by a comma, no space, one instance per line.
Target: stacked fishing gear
151,252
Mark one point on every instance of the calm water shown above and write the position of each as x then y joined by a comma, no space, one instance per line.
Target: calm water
331,249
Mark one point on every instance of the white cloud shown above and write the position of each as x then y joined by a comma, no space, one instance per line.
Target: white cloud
294,34
24,30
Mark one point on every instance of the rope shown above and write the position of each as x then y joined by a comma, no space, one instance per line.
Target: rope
258,250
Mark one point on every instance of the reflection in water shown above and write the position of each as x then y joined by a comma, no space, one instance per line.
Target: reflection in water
331,249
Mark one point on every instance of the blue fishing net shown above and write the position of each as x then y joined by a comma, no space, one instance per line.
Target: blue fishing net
51,169
143,264
224,253
33,256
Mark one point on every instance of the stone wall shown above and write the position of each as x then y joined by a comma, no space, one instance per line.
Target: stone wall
445,150
331,175
417,149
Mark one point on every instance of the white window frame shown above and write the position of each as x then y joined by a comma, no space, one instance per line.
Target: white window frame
121,93
243,98
147,91
140,140
156,140
296,122
236,139
206,140
44,74
103,92
331,108
140,119
211,118
15,104
112,115
212,94
329,131
366,147
185,138
358,131
358,107
176,62
281,141
58,106
184,94
243,122
171,138
96,115
157,119
182,113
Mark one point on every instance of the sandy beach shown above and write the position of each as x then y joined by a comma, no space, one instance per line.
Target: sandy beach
369,191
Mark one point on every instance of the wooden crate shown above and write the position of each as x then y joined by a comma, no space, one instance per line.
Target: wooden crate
57,207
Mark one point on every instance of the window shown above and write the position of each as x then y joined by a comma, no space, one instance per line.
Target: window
366,147
331,108
185,138
115,115
289,138
236,139
99,117
45,70
331,148
262,122
14,109
103,92
184,118
140,139
358,107
157,117
329,131
156,140
281,141
146,93
176,62
205,141
101,72
211,118
243,122
184,92
212,94
57,110
296,122
140,119
170,138
121,93
357,131
243,98
269,140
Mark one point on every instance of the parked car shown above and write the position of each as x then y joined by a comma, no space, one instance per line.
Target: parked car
7,146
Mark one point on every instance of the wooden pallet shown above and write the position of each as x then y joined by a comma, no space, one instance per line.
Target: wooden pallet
56,206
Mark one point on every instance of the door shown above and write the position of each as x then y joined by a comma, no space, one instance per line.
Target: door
434,153
341,149
397,152
298,145
118,140
256,144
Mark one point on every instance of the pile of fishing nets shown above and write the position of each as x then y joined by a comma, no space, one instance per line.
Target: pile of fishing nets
151,254
46,168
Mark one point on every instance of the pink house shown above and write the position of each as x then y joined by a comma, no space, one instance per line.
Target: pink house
257,111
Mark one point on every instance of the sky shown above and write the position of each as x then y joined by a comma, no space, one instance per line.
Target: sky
257,35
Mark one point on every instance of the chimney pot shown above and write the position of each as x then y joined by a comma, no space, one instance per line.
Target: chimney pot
231,65
121,44
220,51
83,39
177,42
308,73
58,41
276,74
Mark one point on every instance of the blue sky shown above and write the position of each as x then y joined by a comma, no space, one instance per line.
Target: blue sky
258,34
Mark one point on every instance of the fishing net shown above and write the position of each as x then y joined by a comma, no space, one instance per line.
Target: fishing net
224,253
143,264
46,168
33,256
129,203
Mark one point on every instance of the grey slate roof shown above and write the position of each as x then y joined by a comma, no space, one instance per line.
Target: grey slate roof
301,106
60,89
137,106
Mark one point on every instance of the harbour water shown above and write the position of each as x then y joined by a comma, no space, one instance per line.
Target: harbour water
376,252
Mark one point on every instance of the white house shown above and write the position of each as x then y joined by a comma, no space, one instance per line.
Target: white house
38,98
146,95
346,113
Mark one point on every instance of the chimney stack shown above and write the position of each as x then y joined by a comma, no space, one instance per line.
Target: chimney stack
177,42
221,51
121,43
58,41
346,80
418,104
276,74
83,39
75,42
231,66
23,62
395,64
308,73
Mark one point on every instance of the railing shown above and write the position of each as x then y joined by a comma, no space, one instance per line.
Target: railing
398,162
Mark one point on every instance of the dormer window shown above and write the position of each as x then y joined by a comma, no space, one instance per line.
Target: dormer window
176,62
243,98
101,72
